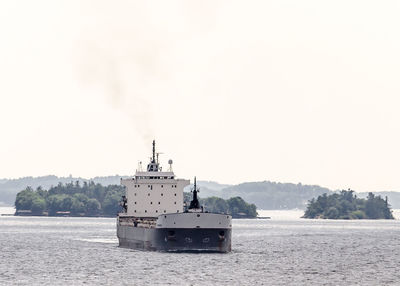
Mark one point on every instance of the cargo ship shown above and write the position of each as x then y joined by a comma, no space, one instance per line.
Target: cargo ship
154,216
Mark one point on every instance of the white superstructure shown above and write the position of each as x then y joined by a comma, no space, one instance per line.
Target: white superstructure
154,218
152,192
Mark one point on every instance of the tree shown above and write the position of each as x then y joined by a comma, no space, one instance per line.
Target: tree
92,207
38,205
24,199
345,205
54,204
77,206
111,203
239,208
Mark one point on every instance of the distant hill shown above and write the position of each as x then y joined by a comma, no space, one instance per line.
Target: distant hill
208,189
265,195
272,195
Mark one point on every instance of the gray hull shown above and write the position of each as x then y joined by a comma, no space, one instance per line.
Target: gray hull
175,239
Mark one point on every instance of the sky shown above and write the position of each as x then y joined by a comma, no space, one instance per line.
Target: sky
232,91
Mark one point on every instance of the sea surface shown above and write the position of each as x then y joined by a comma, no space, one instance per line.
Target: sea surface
283,250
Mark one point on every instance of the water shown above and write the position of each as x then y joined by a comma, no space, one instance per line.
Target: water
279,251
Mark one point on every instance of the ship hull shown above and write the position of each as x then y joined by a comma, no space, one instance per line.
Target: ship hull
175,239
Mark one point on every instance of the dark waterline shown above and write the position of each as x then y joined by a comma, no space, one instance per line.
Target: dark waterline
75,251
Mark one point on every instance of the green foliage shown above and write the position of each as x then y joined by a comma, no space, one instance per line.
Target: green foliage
239,208
38,205
111,202
93,207
358,215
24,199
236,206
346,205
88,199
29,199
215,204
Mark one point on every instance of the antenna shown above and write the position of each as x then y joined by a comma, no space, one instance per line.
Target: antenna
170,165
154,151
158,154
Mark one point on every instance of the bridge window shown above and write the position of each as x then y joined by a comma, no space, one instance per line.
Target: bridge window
162,194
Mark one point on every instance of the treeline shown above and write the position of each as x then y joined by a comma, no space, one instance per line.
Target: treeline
235,206
10,188
91,199
88,199
346,205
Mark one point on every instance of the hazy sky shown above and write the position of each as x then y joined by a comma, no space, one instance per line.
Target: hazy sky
233,91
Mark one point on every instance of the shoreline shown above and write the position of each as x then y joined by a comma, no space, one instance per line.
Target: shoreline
293,214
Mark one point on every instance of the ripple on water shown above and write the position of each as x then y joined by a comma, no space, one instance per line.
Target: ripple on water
60,251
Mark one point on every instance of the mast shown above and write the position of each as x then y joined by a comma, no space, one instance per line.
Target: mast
153,165
154,151
194,204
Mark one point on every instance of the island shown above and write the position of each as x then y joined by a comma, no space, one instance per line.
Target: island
94,199
346,205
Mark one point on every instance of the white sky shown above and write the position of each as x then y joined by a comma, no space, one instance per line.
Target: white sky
233,91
